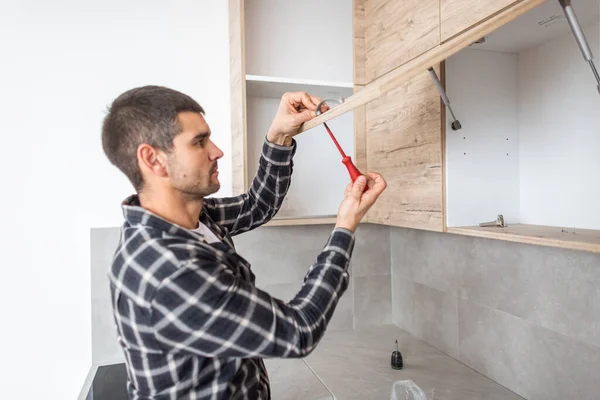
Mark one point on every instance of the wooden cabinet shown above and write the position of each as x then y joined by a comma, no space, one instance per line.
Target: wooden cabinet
398,31
525,98
529,143
459,15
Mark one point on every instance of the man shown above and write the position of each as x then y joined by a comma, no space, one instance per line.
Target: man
190,320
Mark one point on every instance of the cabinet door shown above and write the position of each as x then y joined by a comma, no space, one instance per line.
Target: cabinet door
358,33
404,144
458,15
398,31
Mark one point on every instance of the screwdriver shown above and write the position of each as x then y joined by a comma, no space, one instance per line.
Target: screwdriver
346,160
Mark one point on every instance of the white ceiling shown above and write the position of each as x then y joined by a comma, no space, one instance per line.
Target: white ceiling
539,25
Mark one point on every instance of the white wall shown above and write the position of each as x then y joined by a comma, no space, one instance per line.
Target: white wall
482,157
62,63
559,127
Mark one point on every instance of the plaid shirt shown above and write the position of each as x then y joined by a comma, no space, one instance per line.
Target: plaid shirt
190,320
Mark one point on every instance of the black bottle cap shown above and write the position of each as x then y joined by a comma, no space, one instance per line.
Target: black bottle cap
396,361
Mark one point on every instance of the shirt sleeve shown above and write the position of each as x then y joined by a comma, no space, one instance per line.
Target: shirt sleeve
207,311
264,198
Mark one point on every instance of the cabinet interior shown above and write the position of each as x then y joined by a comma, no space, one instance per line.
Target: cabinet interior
528,105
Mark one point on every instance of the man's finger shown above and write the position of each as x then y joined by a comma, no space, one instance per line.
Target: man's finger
379,184
304,116
302,99
310,102
348,189
374,175
359,186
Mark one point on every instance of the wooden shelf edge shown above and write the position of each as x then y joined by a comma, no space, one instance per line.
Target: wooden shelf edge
301,221
583,240
420,64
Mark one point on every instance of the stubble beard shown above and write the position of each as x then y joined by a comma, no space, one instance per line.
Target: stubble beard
195,188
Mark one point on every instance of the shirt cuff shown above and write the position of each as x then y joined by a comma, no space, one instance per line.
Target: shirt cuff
277,154
341,241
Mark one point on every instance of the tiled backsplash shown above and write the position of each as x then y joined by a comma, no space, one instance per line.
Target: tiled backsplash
526,316
280,257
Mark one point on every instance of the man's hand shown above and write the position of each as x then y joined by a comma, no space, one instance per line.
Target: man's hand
356,203
294,110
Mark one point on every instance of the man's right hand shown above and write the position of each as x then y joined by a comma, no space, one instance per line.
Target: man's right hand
356,203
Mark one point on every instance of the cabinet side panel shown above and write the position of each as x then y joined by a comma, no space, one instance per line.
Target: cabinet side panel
404,144
559,134
360,139
238,96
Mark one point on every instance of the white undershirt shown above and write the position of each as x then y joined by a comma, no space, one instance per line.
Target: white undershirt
209,236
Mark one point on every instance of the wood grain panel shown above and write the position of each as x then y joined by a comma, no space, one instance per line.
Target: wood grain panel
302,221
360,136
458,15
360,140
418,65
358,28
404,144
398,31
554,236
238,97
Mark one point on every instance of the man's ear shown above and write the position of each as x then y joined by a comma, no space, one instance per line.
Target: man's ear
152,161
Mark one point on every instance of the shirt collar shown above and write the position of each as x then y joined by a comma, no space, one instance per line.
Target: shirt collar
136,215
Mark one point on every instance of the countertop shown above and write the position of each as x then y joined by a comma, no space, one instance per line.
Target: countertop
351,364
356,365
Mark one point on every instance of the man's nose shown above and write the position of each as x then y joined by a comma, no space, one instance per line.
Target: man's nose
216,152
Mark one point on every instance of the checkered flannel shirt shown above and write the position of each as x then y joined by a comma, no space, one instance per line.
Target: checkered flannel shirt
189,318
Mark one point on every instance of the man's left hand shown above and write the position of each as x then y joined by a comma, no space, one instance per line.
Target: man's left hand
294,110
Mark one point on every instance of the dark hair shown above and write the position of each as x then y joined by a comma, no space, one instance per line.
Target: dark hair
146,114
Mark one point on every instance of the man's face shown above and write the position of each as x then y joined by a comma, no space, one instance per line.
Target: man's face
192,164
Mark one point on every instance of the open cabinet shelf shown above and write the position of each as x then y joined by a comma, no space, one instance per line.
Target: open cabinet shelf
270,58
528,148
568,238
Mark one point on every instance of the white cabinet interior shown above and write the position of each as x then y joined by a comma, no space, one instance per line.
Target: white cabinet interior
284,53
530,138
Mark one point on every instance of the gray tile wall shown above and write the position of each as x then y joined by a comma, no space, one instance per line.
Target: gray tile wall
526,316
105,348
280,258
281,255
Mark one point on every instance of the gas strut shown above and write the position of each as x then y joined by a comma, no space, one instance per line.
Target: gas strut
455,124
579,37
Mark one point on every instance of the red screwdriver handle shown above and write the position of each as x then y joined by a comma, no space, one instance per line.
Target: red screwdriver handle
352,170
